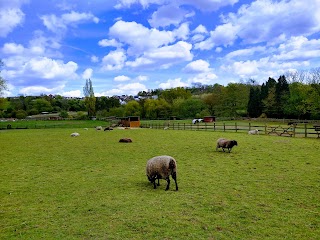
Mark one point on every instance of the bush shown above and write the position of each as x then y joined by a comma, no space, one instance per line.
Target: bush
64,114
21,114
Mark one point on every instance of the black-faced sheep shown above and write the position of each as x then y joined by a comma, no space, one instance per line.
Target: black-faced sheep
161,167
125,140
108,129
75,134
225,143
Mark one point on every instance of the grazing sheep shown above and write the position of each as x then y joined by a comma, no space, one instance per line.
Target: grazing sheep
224,143
99,128
125,140
161,167
85,129
108,129
165,128
75,134
253,132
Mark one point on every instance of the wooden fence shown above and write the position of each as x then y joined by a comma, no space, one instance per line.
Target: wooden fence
300,130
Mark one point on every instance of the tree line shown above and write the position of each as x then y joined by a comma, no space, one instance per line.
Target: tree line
295,95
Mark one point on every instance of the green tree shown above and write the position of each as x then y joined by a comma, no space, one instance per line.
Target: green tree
254,104
42,105
90,100
171,94
282,94
132,108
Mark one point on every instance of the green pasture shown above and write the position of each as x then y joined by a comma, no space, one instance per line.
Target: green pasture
53,186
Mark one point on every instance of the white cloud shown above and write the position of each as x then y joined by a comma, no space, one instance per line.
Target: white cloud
109,43
198,66
200,29
164,57
173,83
60,24
38,90
167,15
10,18
12,48
142,78
114,60
204,78
94,59
133,34
74,93
121,78
87,74
129,89
49,69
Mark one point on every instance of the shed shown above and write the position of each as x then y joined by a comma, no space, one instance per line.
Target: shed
209,119
131,121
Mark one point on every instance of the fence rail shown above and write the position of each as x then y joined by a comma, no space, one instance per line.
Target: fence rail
301,130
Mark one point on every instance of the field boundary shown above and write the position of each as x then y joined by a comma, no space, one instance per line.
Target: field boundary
294,130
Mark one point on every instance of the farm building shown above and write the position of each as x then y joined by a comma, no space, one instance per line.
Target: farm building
209,119
131,121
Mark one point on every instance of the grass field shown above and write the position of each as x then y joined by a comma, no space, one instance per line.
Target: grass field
53,186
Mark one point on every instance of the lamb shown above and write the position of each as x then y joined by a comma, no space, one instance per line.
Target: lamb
161,167
99,128
224,143
125,140
75,134
253,132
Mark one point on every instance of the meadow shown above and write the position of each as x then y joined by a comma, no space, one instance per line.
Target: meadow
53,186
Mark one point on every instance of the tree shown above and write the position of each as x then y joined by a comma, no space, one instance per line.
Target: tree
132,108
170,94
90,100
254,104
3,85
282,94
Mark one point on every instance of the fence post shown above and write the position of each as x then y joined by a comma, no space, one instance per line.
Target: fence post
265,129
205,126
224,127
294,130
236,127
184,126
249,126
214,126
305,130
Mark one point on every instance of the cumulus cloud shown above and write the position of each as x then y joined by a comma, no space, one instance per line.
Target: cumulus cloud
109,43
164,57
114,60
133,34
173,83
60,24
121,78
198,66
10,18
87,74
167,15
129,89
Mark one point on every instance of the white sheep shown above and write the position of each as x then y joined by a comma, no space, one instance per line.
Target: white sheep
75,134
254,132
161,167
99,128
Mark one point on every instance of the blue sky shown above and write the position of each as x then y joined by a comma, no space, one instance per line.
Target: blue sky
127,46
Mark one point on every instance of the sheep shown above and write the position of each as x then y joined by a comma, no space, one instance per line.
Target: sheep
75,134
253,132
108,129
85,129
99,128
161,167
224,143
125,140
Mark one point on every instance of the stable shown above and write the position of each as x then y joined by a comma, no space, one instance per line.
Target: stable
209,119
131,121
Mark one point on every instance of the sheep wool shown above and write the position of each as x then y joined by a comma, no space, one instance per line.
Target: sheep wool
161,167
254,132
225,143
75,134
